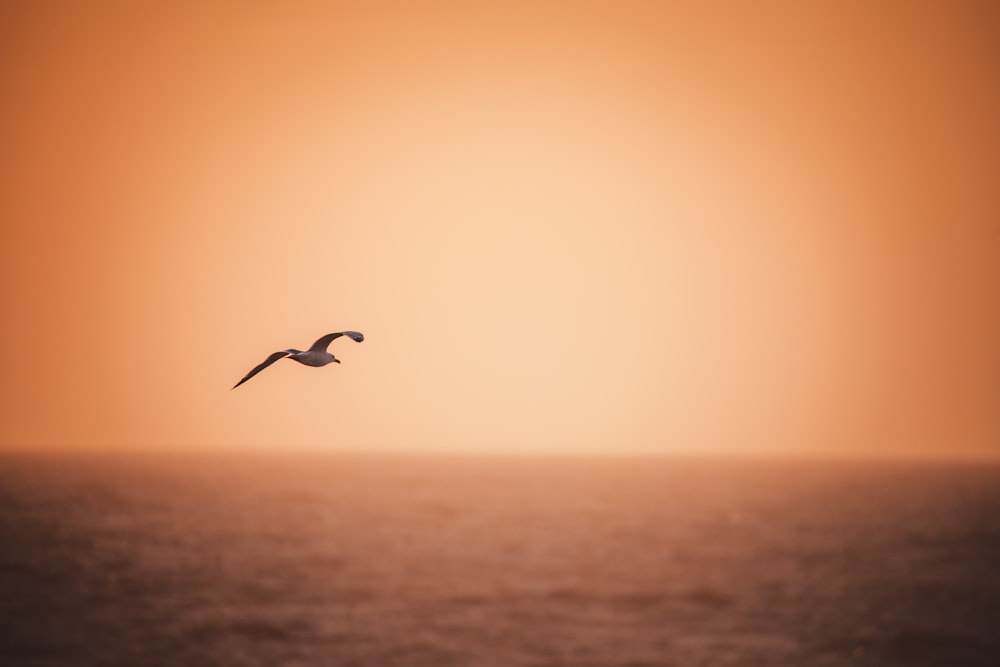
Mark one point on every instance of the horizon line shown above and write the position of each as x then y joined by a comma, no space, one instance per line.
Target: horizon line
519,453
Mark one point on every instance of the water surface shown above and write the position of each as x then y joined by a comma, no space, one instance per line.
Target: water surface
271,560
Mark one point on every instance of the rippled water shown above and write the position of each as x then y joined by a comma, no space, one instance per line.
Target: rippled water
383,561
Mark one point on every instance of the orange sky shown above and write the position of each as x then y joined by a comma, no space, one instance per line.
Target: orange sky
608,226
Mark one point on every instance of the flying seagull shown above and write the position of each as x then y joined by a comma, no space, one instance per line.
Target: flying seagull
314,356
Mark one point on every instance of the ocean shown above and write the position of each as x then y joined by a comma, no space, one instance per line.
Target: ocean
335,560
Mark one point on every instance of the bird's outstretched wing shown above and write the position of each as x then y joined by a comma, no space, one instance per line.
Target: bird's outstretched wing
264,364
324,342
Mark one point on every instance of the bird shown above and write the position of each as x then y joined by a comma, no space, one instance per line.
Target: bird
314,356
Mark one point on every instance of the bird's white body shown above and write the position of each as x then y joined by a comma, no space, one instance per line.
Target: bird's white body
312,358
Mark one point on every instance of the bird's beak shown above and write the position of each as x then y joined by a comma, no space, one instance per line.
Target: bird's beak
337,360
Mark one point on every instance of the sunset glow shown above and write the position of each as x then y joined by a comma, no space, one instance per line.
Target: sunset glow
562,227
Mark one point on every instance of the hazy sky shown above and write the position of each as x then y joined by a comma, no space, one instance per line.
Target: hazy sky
601,226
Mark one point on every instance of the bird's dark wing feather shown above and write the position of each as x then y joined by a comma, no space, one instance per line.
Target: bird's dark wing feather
258,368
324,342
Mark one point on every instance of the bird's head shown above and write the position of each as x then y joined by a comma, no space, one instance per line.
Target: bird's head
335,360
